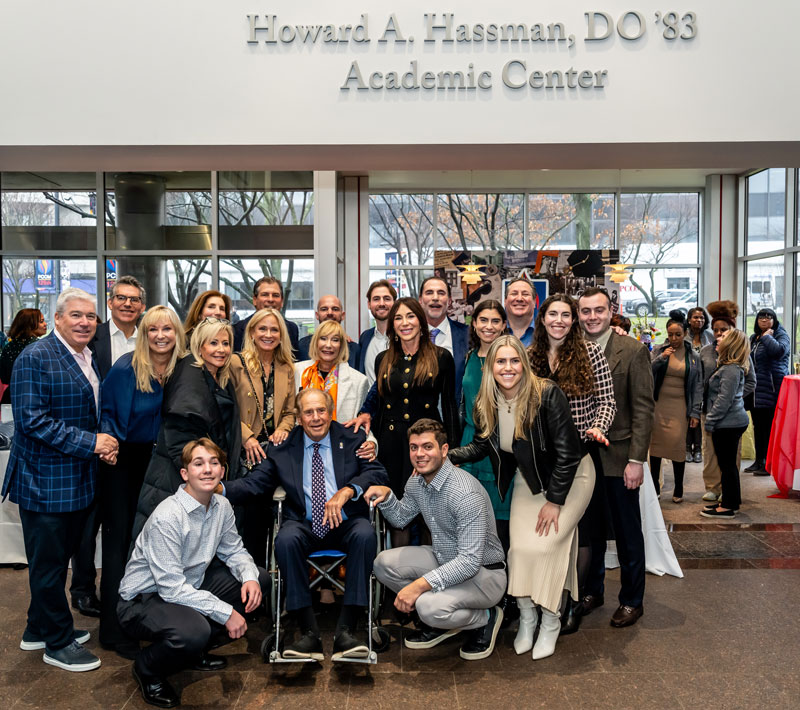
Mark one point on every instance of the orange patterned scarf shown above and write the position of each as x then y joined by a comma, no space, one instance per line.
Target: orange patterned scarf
312,378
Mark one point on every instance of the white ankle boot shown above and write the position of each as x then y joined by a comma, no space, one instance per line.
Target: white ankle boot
548,635
528,620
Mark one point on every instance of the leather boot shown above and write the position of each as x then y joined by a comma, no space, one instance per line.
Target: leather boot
571,615
548,635
528,619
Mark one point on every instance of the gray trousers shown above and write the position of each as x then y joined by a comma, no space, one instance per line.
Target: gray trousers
460,607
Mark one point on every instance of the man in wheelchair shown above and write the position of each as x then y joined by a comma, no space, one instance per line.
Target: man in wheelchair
455,584
324,509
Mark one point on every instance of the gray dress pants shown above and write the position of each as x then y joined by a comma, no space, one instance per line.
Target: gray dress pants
462,606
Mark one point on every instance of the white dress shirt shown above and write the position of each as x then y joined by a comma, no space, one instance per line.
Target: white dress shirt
84,360
444,338
379,343
119,343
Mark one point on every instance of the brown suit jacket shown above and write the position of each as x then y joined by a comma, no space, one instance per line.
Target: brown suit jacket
629,436
247,398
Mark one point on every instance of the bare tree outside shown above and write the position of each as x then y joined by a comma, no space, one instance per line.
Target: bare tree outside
486,222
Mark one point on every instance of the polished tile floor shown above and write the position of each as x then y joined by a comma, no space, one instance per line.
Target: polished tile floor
726,636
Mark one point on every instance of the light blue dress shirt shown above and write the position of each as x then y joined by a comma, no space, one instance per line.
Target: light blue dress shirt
330,474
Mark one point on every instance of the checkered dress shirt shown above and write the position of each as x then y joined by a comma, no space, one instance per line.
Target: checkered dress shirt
596,409
458,512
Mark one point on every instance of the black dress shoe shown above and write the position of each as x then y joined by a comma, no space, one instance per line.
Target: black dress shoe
208,662
480,642
572,616
590,602
346,645
309,645
88,605
156,691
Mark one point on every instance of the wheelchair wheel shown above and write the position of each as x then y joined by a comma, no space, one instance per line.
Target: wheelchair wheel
267,647
381,640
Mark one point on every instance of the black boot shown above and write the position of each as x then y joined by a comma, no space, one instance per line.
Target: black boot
510,610
571,615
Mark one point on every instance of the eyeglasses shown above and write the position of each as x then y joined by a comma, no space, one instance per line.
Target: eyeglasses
214,319
135,300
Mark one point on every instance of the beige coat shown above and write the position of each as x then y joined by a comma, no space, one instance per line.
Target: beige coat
246,396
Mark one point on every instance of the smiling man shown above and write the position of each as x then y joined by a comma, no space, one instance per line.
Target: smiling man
267,293
381,296
189,581
455,584
520,307
329,308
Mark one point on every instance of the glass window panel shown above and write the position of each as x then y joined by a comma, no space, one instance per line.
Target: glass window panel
238,276
266,210
571,221
36,283
163,210
766,211
49,211
405,281
480,221
652,293
764,288
400,229
659,228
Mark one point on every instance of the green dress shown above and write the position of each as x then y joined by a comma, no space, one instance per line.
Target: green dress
482,470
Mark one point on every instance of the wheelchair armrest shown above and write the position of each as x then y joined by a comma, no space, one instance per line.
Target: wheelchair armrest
279,495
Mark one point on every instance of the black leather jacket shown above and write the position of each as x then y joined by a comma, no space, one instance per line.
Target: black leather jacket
548,457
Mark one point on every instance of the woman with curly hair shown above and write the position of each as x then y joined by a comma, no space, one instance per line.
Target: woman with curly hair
578,366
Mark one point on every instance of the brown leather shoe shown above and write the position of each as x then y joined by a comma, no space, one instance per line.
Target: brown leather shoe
626,616
590,602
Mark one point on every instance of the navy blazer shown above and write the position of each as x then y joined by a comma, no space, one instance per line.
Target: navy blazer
52,465
460,335
284,467
100,345
240,326
363,343
352,357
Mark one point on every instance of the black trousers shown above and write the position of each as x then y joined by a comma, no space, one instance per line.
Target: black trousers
118,488
694,439
726,446
762,426
622,506
295,541
84,573
50,540
179,634
256,527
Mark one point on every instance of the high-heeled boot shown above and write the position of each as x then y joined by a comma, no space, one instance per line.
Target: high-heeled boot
528,620
571,615
548,635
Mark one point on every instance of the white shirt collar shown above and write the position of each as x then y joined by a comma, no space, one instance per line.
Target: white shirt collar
444,327
113,330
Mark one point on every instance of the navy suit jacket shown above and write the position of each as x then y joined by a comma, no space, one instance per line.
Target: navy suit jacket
52,466
284,467
239,328
363,343
460,335
100,345
352,357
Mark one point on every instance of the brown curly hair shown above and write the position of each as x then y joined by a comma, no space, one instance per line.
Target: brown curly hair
574,374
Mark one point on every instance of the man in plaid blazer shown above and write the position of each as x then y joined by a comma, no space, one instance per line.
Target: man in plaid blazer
55,396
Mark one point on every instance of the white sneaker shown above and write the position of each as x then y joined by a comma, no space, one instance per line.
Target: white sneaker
30,642
709,496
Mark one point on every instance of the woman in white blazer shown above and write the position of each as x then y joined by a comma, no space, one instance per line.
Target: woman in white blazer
328,370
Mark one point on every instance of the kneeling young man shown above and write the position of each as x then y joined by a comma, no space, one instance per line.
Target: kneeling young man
455,584
189,581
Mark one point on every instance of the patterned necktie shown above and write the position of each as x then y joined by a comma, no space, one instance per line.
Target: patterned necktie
317,494
434,332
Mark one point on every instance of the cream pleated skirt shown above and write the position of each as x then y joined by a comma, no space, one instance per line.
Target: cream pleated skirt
542,567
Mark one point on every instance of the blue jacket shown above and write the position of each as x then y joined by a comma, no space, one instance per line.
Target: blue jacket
52,466
770,355
363,343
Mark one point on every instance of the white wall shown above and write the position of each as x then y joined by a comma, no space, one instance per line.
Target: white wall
86,72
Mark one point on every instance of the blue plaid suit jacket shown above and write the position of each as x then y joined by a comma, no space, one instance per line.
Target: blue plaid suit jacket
52,466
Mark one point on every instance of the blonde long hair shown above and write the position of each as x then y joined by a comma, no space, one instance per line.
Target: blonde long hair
283,353
529,396
329,327
734,349
202,333
142,363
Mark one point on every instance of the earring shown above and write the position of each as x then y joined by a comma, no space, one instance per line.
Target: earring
396,338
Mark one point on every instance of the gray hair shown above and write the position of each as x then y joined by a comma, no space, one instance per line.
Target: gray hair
129,281
73,294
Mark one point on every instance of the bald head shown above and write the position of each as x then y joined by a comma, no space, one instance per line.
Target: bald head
329,308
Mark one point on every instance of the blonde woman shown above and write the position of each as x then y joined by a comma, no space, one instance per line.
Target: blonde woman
263,377
199,400
132,398
727,419
524,424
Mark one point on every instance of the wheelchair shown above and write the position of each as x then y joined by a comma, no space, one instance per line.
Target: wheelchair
327,564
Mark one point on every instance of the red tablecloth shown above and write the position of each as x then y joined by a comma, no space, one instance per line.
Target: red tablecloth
783,455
